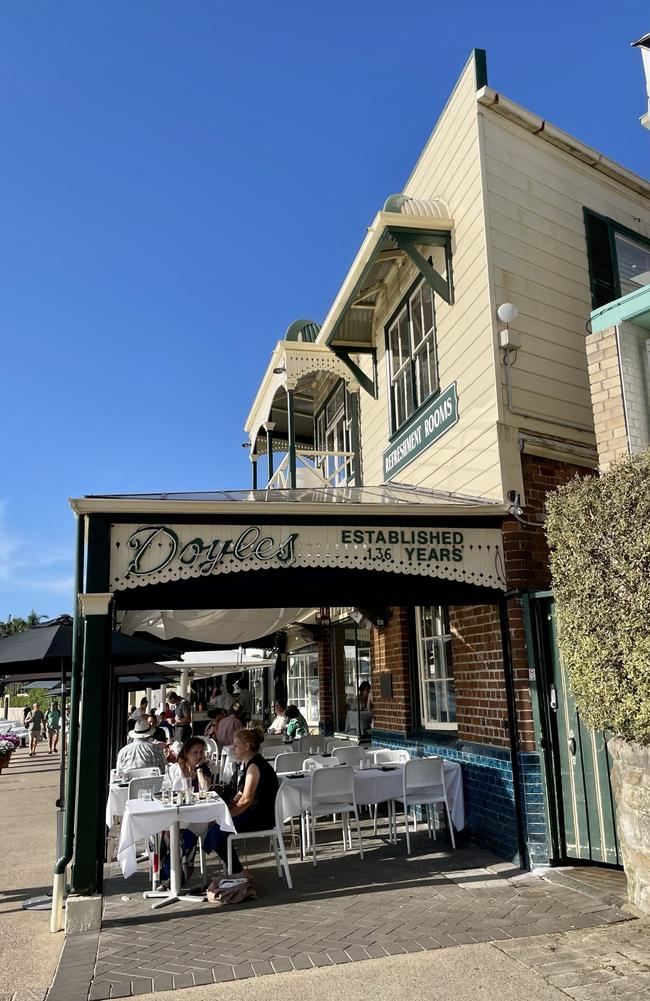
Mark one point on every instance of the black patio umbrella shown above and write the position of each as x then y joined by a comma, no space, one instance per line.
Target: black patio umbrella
45,650
48,646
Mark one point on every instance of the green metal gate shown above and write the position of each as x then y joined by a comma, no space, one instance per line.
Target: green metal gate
581,804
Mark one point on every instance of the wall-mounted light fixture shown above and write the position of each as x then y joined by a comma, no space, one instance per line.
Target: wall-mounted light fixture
508,340
280,370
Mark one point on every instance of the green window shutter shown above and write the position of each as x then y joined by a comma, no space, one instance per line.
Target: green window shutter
602,269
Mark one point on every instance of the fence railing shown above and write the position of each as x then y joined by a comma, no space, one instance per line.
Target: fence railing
314,469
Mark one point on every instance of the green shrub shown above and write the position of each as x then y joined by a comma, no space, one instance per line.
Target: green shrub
598,530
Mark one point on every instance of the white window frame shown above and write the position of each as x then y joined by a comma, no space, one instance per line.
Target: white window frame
441,640
407,394
298,685
333,425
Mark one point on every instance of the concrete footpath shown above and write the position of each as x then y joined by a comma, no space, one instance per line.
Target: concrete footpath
29,788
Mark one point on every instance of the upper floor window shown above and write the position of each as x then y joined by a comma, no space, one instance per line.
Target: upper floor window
334,436
412,362
633,260
619,259
435,668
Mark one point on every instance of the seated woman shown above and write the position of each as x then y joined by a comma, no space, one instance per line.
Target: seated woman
187,768
253,807
296,723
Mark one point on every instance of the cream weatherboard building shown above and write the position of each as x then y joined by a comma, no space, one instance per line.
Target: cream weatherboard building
401,451
413,379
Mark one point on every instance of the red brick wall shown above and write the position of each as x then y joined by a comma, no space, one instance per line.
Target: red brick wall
389,652
481,708
525,549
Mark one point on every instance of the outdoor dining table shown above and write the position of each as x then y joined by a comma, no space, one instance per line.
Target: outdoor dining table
376,785
142,819
118,794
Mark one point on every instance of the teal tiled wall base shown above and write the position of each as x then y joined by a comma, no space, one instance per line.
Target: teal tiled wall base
489,796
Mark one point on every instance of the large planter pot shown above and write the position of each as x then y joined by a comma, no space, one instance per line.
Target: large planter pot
631,786
4,761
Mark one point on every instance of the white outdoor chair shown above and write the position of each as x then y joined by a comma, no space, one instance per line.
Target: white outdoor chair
272,752
289,761
228,762
312,744
142,773
352,755
423,784
331,743
273,739
319,761
387,756
332,792
139,783
275,833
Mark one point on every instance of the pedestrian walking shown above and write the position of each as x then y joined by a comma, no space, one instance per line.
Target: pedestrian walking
34,721
53,723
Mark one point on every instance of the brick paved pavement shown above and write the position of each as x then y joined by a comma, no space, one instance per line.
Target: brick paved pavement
341,911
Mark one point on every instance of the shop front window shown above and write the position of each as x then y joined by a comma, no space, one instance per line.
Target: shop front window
302,684
435,668
353,696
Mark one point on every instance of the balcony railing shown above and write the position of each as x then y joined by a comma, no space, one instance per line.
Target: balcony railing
315,469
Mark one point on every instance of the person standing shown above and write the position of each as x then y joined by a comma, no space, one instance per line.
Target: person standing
53,723
226,699
34,721
182,717
245,698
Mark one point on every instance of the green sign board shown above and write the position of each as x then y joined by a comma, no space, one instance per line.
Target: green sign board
426,427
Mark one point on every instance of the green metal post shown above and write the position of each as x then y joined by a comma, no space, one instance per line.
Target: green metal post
354,438
268,427
291,434
90,833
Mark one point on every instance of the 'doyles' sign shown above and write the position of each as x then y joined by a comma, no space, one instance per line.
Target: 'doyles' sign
153,554
156,547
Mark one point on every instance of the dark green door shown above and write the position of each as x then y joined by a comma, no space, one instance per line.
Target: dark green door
578,763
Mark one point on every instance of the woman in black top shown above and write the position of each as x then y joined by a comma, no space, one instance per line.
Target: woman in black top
253,807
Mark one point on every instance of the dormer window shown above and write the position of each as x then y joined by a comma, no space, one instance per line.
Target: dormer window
412,361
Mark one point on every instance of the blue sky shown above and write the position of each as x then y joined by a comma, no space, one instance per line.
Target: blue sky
181,181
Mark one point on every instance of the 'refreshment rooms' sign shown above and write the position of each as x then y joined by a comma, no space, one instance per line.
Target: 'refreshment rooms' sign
156,553
425,428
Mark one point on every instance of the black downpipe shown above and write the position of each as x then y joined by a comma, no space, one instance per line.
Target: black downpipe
75,691
512,728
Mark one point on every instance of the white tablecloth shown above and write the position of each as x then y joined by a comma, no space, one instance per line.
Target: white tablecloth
372,785
117,797
142,819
